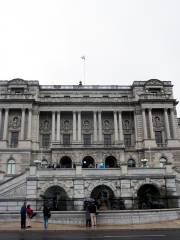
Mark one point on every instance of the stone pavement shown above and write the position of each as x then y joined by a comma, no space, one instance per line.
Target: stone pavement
38,226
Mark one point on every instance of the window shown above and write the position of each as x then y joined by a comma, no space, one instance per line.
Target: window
87,139
158,137
131,163
107,139
14,139
45,140
11,166
66,139
127,140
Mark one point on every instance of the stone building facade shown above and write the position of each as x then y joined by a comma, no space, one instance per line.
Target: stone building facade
117,144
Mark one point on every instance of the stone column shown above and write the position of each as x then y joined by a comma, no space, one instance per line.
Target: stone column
166,119
144,124
121,137
173,123
115,128
58,126
100,127
74,127
136,127
38,114
53,126
0,122
79,127
22,124
152,135
29,124
95,126
5,130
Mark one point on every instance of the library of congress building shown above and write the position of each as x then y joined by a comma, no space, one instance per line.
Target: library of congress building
70,144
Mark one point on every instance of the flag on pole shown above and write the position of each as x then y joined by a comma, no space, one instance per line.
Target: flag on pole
83,57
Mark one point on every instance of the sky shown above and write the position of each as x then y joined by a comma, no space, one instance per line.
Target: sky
122,40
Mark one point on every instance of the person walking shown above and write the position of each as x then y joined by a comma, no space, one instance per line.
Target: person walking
29,212
88,216
46,214
92,210
23,216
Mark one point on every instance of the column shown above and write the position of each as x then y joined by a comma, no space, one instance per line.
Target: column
144,123
121,137
152,135
58,126
74,127
115,128
173,123
136,127
37,124
168,136
53,126
100,127
5,130
0,122
79,127
22,124
29,124
95,126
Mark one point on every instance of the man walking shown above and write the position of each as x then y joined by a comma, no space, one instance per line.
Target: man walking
23,216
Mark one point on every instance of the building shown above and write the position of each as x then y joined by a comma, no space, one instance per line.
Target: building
117,144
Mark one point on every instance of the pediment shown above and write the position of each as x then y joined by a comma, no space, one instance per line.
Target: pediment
154,82
17,81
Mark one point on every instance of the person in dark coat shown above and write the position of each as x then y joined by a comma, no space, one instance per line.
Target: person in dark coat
92,210
46,214
23,216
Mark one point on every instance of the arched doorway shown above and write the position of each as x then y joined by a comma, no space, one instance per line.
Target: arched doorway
65,162
149,197
103,196
88,162
110,162
56,198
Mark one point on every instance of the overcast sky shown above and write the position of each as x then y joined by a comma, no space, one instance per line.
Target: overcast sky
123,41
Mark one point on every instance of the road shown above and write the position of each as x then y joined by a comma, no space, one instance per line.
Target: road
92,234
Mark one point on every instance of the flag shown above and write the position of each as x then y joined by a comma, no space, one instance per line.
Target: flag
83,57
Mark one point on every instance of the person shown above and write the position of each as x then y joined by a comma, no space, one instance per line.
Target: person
23,216
92,210
88,216
29,212
46,214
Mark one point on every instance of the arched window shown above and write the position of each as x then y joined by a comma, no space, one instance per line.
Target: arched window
66,162
162,162
11,166
131,163
110,162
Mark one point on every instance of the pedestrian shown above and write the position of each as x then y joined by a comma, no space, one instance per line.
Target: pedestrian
92,210
29,212
23,216
88,216
46,214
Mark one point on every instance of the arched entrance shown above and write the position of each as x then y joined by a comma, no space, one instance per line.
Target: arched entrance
56,198
103,196
110,162
88,162
65,162
149,197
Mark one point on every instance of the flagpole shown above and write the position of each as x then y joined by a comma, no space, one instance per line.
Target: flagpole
84,68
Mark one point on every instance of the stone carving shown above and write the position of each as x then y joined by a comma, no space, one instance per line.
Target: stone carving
15,122
45,126
106,124
157,122
154,82
86,124
17,81
66,125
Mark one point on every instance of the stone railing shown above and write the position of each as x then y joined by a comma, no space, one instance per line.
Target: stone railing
150,96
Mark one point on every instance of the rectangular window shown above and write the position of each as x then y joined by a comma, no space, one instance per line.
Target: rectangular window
158,137
87,139
45,140
66,139
14,139
127,140
107,139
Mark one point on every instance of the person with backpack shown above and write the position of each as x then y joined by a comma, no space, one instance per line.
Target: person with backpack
46,215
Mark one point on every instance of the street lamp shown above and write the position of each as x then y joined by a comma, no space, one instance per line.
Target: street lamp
144,162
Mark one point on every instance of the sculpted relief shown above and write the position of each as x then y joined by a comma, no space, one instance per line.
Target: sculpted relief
15,122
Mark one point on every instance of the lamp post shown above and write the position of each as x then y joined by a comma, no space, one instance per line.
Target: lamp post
144,162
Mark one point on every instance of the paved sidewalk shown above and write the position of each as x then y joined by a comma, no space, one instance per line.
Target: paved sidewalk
14,226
